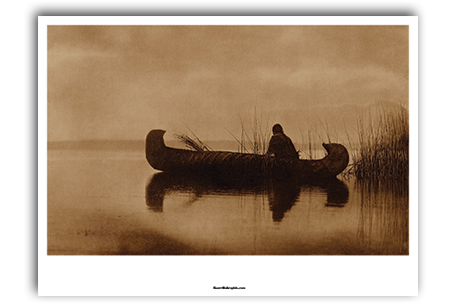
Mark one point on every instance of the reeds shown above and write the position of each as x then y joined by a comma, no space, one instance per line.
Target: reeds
380,152
383,147
191,143
258,140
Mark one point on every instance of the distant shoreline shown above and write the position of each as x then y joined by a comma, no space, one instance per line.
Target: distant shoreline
228,145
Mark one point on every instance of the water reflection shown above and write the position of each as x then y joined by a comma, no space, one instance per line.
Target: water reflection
282,195
384,217
337,193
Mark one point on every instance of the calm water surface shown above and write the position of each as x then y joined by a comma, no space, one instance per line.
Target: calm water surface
112,202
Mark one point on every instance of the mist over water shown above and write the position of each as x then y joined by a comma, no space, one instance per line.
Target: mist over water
111,202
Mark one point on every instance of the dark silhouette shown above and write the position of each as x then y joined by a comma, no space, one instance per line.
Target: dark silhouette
281,145
282,194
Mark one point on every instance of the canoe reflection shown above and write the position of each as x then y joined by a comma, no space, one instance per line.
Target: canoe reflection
282,195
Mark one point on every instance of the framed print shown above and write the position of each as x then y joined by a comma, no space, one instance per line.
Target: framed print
228,156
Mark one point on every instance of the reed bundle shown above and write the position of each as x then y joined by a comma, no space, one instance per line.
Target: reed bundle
191,143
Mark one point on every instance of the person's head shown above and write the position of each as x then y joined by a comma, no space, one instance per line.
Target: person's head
277,129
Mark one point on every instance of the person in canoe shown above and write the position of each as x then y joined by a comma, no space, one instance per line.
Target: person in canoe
280,145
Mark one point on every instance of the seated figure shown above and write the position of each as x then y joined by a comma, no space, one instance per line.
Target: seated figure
280,145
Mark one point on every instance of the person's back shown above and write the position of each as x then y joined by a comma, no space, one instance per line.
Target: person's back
281,145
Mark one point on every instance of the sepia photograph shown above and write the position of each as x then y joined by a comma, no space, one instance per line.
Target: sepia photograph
240,140
228,140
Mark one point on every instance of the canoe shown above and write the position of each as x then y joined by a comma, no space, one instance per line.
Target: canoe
233,165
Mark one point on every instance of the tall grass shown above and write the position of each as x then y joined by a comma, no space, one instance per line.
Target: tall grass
257,141
383,147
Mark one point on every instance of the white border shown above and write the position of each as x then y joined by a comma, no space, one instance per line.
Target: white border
195,275
226,20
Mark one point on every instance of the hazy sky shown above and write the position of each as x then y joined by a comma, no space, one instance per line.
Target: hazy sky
119,82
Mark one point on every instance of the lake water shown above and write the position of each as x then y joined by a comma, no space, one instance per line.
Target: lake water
111,202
